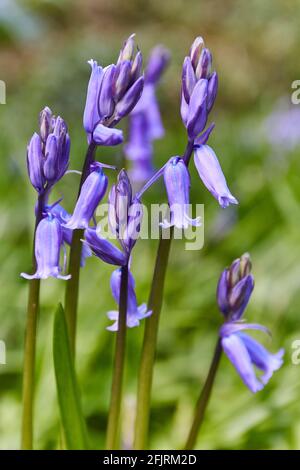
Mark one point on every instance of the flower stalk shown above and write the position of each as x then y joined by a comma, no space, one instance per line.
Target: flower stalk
30,346
203,399
149,344
72,287
112,436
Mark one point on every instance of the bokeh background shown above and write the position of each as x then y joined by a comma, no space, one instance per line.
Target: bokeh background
44,48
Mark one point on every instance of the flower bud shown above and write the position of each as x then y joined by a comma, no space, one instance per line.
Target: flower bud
35,163
106,103
127,50
51,158
203,69
197,114
121,80
188,79
91,113
129,100
195,51
45,123
137,66
92,191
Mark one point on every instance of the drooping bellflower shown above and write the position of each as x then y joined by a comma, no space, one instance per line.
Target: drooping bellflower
211,174
48,242
233,293
135,313
199,91
48,152
92,191
112,93
177,182
145,124
125,217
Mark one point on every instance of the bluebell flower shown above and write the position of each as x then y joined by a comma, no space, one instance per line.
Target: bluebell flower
234,290
112,93
92,191
211,174
48,242
48,153
177,183
103,249
135,313
199,88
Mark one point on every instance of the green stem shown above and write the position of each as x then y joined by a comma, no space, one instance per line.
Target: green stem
116,389
151,332
72,286
204,397
149,344
30,346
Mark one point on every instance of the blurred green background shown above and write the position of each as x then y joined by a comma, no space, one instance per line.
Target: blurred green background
44,48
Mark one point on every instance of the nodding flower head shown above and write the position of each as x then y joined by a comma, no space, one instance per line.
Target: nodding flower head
234,290
112,93
92,191
211,174
199,88
48,241
235,286
48,153
177,182
135,313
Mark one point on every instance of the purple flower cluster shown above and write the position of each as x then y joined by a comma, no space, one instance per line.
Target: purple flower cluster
48,152
47,161
198,94
125,217
145,124
235,286
112,93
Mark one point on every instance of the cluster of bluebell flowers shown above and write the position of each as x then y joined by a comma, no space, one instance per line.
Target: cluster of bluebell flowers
47,161
198,93
235,287
125,218
113,92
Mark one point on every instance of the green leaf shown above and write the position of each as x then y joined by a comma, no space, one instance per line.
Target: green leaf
67,388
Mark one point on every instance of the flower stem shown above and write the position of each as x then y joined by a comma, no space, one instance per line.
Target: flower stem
72,286
204,398
151,332
149,344
118,372
30,345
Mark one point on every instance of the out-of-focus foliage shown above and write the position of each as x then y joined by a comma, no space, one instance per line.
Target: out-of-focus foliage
44,48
